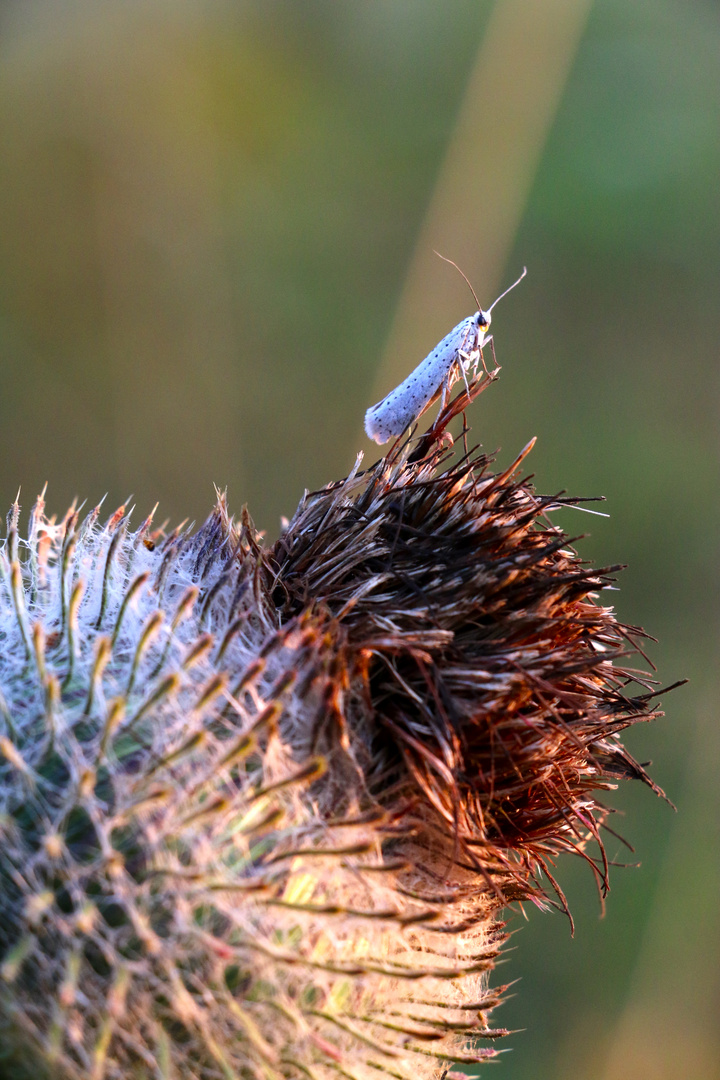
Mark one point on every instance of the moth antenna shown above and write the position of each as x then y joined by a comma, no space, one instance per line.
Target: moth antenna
509,289
466,280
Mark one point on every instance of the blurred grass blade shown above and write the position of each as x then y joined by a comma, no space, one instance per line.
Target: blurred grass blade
510,103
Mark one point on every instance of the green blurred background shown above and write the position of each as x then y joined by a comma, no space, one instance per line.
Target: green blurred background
217,223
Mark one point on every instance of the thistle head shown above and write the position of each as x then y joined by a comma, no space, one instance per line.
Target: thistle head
262,808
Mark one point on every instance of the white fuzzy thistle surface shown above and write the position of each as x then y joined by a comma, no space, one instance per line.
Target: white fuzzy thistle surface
260,808
173,901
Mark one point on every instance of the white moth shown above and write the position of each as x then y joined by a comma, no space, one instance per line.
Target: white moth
462,346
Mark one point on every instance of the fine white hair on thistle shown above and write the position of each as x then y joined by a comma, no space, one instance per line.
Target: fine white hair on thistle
169,890
462,347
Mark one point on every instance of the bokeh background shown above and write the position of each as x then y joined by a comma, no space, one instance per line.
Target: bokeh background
216,233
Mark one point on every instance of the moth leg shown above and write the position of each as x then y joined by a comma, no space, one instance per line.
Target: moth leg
492,349
476,358
445,390
488,341
464,361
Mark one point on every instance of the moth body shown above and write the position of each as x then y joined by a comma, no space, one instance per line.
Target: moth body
462,346
403,405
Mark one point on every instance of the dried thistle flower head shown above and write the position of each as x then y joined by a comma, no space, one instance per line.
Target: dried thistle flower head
261,808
